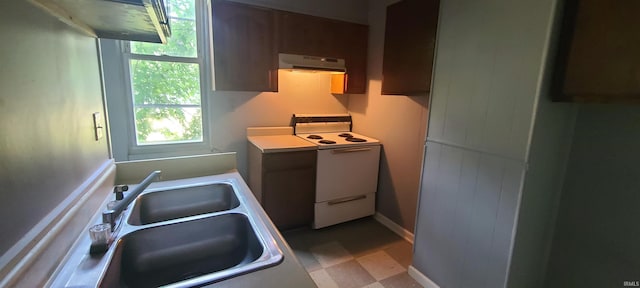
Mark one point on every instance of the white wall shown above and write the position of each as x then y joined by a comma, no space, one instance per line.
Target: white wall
49,88
399,122
542,188
489,61
232,112
597,234
547,159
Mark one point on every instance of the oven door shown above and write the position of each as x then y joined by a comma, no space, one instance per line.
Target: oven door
345,172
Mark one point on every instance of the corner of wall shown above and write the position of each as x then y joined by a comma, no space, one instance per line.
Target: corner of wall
34,259
421,278
550,142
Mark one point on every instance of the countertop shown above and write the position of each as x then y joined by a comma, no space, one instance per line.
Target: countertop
289,273
281,143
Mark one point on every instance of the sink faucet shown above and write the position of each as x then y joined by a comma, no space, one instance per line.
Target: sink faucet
111,215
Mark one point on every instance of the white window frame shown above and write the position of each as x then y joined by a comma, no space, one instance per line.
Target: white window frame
155,150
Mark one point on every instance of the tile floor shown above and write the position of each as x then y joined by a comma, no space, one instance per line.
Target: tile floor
360,253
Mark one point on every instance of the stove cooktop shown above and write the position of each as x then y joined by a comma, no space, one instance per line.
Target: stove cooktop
338,139
329,130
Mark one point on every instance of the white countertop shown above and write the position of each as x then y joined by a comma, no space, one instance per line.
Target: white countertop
281,143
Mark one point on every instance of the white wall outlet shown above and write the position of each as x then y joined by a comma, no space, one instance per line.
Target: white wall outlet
98,125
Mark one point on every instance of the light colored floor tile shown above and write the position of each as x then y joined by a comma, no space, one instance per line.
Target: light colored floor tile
337,248
374,285
330,254
307,260
350,275
380,265
322,279
402,280
401,251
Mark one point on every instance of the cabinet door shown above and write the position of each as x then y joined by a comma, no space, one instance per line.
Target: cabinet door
308,35
599,59
288,198
353,40
245,57
288,187
316,36
409,45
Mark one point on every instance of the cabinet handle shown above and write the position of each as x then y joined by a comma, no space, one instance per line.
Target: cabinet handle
346,82
347,199
349,150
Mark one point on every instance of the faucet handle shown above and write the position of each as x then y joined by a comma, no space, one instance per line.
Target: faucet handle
118,189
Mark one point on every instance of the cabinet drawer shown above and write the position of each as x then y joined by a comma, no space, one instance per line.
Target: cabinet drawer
289,160
344,209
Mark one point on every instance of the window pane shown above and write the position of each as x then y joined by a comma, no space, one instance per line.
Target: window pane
157,82
166,101
158,125
181,9
183,40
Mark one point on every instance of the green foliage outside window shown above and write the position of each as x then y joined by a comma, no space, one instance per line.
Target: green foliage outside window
166,95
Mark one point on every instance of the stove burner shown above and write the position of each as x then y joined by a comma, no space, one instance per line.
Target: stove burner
314,137
346,135
354,139
327,142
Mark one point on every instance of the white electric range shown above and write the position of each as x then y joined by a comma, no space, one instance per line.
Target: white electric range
347,167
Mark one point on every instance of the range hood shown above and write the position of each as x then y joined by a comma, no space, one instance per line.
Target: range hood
134,20
311,63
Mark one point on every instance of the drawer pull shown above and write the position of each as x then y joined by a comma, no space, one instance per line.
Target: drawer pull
347,199
349,150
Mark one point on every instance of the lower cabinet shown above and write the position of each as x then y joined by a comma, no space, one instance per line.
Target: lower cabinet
284,183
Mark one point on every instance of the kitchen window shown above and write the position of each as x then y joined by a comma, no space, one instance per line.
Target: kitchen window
164,85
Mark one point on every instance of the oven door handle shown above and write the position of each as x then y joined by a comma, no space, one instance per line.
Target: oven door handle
347,199
349,150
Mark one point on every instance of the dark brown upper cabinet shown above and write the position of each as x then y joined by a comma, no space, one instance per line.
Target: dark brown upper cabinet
308,35
316,36
354,42
599,52
409,45
247,40
244,47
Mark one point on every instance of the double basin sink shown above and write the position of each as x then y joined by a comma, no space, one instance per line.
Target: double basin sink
184,237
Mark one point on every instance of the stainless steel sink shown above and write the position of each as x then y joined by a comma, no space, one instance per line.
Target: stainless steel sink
192,250
181,235
178,203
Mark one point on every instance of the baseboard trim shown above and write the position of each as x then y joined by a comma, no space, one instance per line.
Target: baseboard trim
40,251
421,278
404,233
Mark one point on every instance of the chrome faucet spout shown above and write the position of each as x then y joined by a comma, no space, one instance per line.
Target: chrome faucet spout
111,215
